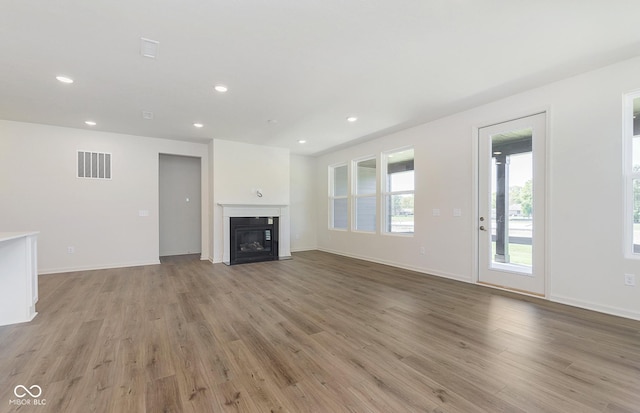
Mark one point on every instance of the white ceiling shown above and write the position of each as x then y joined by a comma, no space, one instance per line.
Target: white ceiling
306,63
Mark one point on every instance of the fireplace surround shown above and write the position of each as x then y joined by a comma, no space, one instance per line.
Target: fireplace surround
251,211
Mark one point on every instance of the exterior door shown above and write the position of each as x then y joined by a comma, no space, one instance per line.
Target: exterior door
511,204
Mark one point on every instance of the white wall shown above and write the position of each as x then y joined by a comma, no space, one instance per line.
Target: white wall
585,258
39,191
303,203
239,169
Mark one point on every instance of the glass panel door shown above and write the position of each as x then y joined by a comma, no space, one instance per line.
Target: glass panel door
512,201
511,204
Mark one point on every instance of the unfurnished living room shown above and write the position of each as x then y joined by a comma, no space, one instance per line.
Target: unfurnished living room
299,206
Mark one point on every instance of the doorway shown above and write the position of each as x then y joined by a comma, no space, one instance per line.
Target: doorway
511,204
180,205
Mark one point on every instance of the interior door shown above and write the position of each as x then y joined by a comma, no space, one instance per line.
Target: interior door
511,204
180,205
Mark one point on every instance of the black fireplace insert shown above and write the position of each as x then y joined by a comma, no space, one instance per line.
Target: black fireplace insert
253,239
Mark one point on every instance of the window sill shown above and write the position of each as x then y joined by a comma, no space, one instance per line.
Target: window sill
399,234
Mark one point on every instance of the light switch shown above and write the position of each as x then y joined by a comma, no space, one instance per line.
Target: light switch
436,212
143,213
457,212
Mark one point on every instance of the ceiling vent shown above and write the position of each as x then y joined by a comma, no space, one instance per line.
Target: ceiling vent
147,115
149,48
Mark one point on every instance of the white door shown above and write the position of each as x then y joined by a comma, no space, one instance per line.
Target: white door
511,204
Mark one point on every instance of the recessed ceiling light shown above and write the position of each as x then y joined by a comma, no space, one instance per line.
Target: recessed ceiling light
198,125
90,122
352,119
64,79
497,153
221,88
302,141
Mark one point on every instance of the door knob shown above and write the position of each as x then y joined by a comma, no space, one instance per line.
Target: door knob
481,218
482,228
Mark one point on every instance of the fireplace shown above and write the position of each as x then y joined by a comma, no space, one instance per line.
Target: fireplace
253,239
280,211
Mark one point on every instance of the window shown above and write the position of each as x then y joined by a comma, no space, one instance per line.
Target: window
632,127
365,195
338,196
399,191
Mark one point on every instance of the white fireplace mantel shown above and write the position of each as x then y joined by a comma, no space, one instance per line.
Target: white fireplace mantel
258,210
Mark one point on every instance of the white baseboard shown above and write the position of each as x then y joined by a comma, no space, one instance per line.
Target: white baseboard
95,267
587,305
301,249
426,271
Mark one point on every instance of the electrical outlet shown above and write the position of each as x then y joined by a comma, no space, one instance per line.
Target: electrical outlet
423,251
630,280
71,250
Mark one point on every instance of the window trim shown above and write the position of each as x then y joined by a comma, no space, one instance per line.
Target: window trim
628,175
332,197
384,192
355,195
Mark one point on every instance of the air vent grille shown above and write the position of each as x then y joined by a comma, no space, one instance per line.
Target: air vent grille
94,165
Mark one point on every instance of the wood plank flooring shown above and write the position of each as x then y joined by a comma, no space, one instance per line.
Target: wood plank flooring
319,333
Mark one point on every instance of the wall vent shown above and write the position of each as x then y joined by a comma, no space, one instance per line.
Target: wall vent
94,165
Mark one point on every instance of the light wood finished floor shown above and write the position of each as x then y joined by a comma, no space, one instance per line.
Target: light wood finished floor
319,333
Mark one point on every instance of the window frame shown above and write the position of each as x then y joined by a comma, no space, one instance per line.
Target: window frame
385,192
333,196
356,195
629,175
